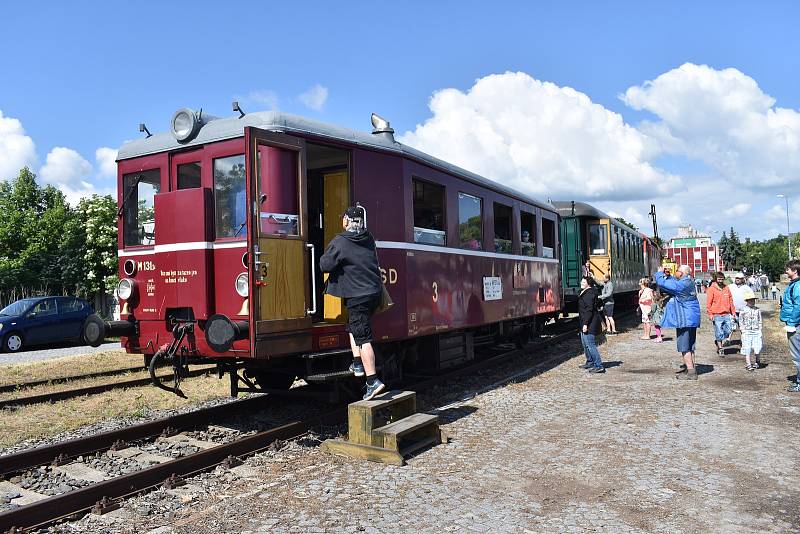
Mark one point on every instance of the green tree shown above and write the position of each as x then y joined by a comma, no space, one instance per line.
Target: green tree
623,221
731,250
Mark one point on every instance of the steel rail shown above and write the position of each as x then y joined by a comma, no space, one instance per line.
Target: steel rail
70,504
92,390
60,452
58,380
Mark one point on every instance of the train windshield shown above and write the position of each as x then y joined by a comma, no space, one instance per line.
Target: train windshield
597,238
141,188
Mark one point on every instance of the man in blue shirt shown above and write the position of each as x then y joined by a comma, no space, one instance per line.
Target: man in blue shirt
790,314
682,313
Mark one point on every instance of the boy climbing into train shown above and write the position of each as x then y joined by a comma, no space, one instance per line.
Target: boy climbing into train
355,277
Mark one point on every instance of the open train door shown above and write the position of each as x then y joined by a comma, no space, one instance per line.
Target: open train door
281,260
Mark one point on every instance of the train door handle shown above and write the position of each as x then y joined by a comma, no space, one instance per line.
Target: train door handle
313,309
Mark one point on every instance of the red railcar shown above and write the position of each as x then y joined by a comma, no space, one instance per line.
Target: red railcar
222,223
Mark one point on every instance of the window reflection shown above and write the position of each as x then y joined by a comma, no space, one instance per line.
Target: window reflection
470,227
230,198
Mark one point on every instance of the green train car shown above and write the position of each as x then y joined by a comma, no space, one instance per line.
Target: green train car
610,247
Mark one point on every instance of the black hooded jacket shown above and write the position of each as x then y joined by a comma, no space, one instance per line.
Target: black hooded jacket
353,266
587,311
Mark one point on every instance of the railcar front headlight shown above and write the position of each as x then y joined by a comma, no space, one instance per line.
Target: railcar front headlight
185,125
242,285
125,288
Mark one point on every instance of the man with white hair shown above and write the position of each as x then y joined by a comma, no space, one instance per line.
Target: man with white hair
682,313
738,287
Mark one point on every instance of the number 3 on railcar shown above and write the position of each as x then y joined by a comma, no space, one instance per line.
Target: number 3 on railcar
222,223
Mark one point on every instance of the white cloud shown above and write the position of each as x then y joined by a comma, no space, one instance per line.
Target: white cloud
265,98
723,118
67,170
315,97
17,150
542,139
106,159
737,210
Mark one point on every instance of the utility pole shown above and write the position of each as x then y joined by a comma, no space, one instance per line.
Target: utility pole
655,222
788,231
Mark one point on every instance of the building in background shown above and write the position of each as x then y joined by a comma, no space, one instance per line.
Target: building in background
697,251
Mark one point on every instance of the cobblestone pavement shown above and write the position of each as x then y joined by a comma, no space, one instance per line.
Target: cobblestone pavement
633,450
53,351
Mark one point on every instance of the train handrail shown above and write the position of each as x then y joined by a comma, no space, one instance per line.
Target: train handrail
313,309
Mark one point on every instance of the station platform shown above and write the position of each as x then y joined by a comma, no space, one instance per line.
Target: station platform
631,450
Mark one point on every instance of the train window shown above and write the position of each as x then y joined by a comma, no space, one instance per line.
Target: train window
428,213
502,228
139,223
527,239
230,201
548,238
597,239
278,212
470,222
189,175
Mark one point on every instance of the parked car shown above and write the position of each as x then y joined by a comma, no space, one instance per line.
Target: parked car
39,320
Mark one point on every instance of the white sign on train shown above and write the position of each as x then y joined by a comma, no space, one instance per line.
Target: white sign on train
492,288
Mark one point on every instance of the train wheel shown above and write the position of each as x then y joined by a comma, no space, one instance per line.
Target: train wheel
269,379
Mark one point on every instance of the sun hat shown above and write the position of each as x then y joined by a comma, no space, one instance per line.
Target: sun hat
748,294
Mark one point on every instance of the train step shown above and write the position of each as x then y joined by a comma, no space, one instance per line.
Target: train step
326,354
320,378
386,429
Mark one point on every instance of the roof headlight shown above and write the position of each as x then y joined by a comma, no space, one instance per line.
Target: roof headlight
125,288
185,125
242,285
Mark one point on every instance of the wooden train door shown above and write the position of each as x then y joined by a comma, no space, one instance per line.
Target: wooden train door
280,262
600,247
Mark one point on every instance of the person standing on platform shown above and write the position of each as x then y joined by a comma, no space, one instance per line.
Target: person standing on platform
591,325
790,314
607,296
683,314
751,323
774,291
721,311
738,287
764,281
645,306
355,277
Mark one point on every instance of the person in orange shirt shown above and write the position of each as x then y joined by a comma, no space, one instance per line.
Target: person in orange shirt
721,311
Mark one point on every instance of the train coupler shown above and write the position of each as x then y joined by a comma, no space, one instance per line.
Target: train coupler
180,362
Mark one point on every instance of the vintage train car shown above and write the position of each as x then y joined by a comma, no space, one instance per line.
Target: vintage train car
222,223
610,247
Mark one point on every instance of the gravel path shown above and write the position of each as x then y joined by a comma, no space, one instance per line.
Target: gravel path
630,451
49,352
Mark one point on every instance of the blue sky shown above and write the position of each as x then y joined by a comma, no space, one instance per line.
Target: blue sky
82,76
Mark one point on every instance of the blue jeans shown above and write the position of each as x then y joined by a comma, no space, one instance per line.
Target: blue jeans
723,326
794,350
590,348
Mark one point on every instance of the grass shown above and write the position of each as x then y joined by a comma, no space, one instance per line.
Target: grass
68,366
43,420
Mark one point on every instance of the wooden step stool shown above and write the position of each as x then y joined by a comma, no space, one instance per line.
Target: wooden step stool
374,436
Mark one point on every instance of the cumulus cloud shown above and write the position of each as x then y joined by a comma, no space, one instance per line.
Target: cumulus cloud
722,118
106,159
737,210
542,139
315,97
17,150
68,170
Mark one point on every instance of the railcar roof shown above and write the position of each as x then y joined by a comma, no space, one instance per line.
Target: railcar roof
232,127
582,209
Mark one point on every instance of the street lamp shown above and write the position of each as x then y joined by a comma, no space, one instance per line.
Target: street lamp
788,232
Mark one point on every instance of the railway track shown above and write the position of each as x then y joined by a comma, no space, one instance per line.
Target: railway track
90,390
105,495
7,388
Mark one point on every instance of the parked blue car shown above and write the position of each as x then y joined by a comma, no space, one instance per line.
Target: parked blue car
39,320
